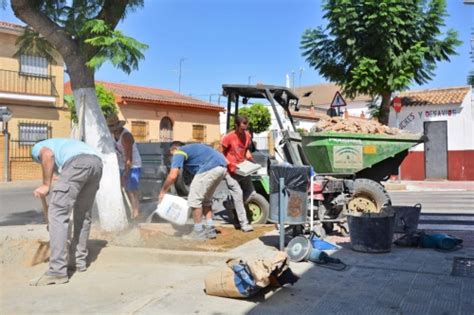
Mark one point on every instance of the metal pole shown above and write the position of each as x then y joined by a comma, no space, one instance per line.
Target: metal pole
301,74
229,105
180,68
292,79
397,121
282,209
250,78
6,164
311,206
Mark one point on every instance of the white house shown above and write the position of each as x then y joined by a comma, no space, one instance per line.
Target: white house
446,117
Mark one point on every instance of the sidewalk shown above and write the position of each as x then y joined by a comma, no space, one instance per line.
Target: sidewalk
429,185
123,280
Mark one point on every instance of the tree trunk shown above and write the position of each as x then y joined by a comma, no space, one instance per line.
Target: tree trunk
109,198
385,108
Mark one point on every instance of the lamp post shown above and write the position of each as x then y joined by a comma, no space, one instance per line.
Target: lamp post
5,116
181,60
301,74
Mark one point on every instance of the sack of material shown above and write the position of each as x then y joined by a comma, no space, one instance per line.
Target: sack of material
242,280
234,281
262,269
173,209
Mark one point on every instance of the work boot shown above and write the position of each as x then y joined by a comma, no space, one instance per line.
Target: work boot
49,280
211,232
196,235
246,228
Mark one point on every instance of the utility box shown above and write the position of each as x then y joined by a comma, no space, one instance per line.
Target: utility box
294,193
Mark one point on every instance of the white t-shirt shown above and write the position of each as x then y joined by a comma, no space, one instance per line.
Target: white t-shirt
136,159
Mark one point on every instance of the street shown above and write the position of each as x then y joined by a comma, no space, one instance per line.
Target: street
447,210
18,206
441,210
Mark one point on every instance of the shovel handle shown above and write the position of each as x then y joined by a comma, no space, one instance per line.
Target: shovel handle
45,210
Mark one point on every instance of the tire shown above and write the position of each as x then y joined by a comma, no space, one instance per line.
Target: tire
258,209
373,191
182,183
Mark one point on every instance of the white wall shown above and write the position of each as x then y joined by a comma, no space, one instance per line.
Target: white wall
459,118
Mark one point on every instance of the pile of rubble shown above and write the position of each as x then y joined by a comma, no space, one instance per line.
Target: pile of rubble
338,124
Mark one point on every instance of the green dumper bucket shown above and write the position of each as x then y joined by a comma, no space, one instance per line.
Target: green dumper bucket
374,156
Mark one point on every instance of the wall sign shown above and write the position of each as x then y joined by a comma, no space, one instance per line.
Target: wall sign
424,114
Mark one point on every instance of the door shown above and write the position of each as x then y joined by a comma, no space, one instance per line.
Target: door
436,149
166,130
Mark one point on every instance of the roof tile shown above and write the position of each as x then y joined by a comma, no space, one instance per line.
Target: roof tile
444,96
152,96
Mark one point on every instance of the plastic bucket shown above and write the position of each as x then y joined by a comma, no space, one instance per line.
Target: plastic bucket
371,233
406,218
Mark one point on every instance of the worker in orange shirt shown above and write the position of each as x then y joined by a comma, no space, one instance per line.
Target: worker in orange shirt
235,147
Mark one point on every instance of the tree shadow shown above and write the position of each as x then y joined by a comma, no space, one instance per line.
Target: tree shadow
23,218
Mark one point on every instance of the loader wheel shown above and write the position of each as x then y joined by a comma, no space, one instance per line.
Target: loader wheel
258,209
369,196
183,182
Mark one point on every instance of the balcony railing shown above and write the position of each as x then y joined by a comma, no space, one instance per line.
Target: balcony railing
17,82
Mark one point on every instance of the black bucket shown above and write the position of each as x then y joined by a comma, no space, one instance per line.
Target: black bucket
406,218
371,233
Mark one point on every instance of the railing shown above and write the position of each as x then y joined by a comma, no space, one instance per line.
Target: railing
21,150
17,82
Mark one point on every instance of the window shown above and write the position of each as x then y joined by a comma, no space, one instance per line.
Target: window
139,131
33,65
166,130
30,133
199,133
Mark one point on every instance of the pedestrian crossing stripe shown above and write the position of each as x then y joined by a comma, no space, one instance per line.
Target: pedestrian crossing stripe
338,100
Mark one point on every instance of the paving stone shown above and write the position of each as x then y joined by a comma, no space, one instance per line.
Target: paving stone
414,308
439,306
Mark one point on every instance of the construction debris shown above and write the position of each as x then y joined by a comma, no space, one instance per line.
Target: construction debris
353,125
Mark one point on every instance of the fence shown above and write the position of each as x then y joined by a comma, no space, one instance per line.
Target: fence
21,150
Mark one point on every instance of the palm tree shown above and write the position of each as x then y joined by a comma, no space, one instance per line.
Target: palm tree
31,43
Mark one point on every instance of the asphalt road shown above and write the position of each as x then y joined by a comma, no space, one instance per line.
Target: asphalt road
448,210
440,210
18,206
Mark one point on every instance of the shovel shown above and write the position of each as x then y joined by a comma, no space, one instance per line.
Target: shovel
42,253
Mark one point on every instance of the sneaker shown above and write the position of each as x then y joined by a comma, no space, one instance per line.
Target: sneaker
196,236
49,280
211,232
77,268
246,228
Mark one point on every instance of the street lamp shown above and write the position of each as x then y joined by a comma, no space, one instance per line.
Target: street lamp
5,116
301,74
181,60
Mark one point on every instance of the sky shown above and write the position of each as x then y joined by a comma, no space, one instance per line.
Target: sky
228,41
